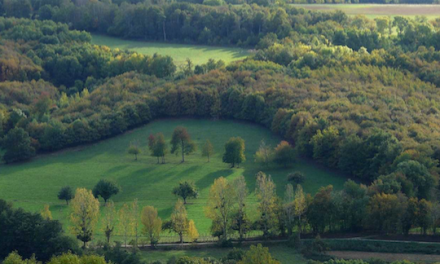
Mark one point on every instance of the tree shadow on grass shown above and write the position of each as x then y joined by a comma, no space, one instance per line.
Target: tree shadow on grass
209,178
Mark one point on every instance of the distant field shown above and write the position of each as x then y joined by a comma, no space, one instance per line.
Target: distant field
376,10
199,54
31,185
282,253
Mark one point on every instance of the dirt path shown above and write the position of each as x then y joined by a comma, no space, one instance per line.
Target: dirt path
384,256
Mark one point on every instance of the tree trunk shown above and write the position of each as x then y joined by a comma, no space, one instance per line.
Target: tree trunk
181,237
208,158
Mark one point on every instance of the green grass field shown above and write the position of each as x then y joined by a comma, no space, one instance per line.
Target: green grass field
377,10
199,54
280,252
31,185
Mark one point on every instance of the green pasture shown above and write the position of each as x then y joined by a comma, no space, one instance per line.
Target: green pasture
199,54
284,254
32,184
377,10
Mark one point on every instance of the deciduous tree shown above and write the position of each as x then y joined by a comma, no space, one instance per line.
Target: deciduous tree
84,216
181,140
220,205
241,192
265,191
193,234
264,154
46,213
134,149
125,222
186,189
234,151
284,154
152,224
105,189
158,147
207,150
66,194
179,219
258,255
299,206
17,144
109,221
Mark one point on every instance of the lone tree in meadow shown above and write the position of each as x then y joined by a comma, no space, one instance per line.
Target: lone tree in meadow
234,152
157,146
105,189
208,149
181,140
134,149
66,194
186,189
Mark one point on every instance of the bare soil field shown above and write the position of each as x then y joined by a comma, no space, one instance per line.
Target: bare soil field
385,256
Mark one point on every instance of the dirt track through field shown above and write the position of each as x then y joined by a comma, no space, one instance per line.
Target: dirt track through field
384,256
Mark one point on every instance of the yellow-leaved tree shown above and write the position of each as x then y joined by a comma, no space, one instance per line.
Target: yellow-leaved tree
220,206
266,194
152,224
300,205
125,227
193,234
84,216
109,221
179,219
258,255
46,213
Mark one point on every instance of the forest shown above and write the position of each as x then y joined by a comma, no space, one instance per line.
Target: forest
353,94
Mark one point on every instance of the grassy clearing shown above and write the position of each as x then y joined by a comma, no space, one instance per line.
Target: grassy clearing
31,185
377,10
282,253
199,54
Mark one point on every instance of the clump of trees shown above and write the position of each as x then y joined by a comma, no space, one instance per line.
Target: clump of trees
283,154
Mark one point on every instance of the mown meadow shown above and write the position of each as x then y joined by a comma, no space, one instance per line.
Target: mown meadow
199,54
33,184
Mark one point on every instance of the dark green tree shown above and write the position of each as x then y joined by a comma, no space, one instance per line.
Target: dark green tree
105,189
17,144
186,189
234,151
66,194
